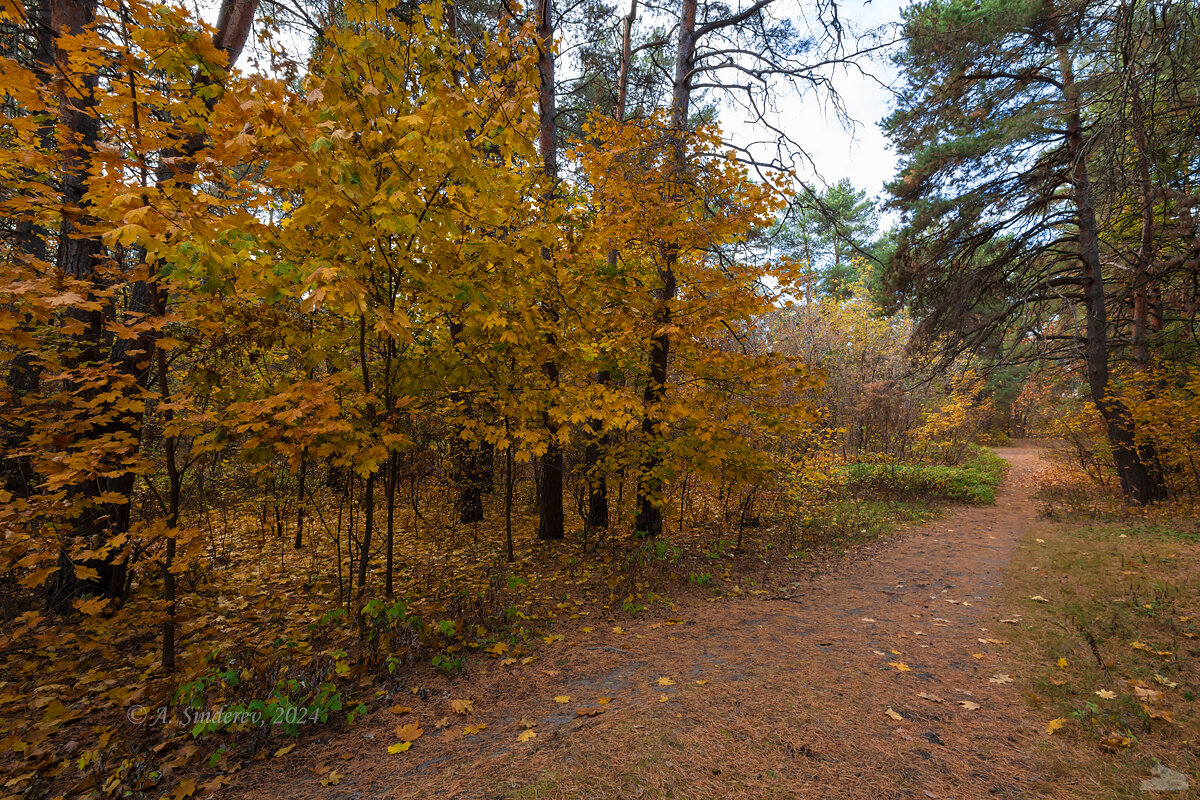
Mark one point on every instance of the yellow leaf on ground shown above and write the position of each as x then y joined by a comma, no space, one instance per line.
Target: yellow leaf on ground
399,747
1114,742
1062,663
604,701
563,698
665,681
187,787
398,710
409,733
891,713
1105,694
1001,679
589,712
1157,713
900,666
471,730
662,698
462,706
969,706
701,683
283,751
332,779
525,736
931,697
1054,725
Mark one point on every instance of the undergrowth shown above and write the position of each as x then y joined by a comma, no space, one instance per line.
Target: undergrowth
270,653
973,481
1108,638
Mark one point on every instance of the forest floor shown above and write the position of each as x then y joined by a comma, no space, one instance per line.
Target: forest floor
889,676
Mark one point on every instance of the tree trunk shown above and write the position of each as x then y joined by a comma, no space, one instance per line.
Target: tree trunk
299,540
1139,483
597,508
649,516
465,459
369,492
393,468
550,487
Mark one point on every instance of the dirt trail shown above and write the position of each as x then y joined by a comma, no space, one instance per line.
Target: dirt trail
771,697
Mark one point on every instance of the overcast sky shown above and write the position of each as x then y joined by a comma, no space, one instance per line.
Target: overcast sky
858,152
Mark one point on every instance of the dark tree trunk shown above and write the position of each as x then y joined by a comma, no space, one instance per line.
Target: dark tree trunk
1140,483
300,480
550,487
597,508
649,516
465,459
392,477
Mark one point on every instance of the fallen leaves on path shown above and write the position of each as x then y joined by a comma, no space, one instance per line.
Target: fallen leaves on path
969,706
933,698
409,733
893,714
1148,649
1054,725
462,706
562,699
525,736
1001,679
900,666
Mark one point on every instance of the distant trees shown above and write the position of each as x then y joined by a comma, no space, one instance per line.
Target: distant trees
835,232
1046,192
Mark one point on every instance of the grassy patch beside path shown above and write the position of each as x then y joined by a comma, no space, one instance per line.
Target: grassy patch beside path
1106,644
974,481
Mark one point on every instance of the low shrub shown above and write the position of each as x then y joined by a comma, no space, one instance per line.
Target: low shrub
974,481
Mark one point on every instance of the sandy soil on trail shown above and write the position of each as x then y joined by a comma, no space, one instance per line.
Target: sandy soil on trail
776,697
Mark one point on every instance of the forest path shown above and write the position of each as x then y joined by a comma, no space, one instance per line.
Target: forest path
777,697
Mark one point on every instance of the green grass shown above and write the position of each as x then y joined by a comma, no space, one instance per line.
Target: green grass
1121,612
974,481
